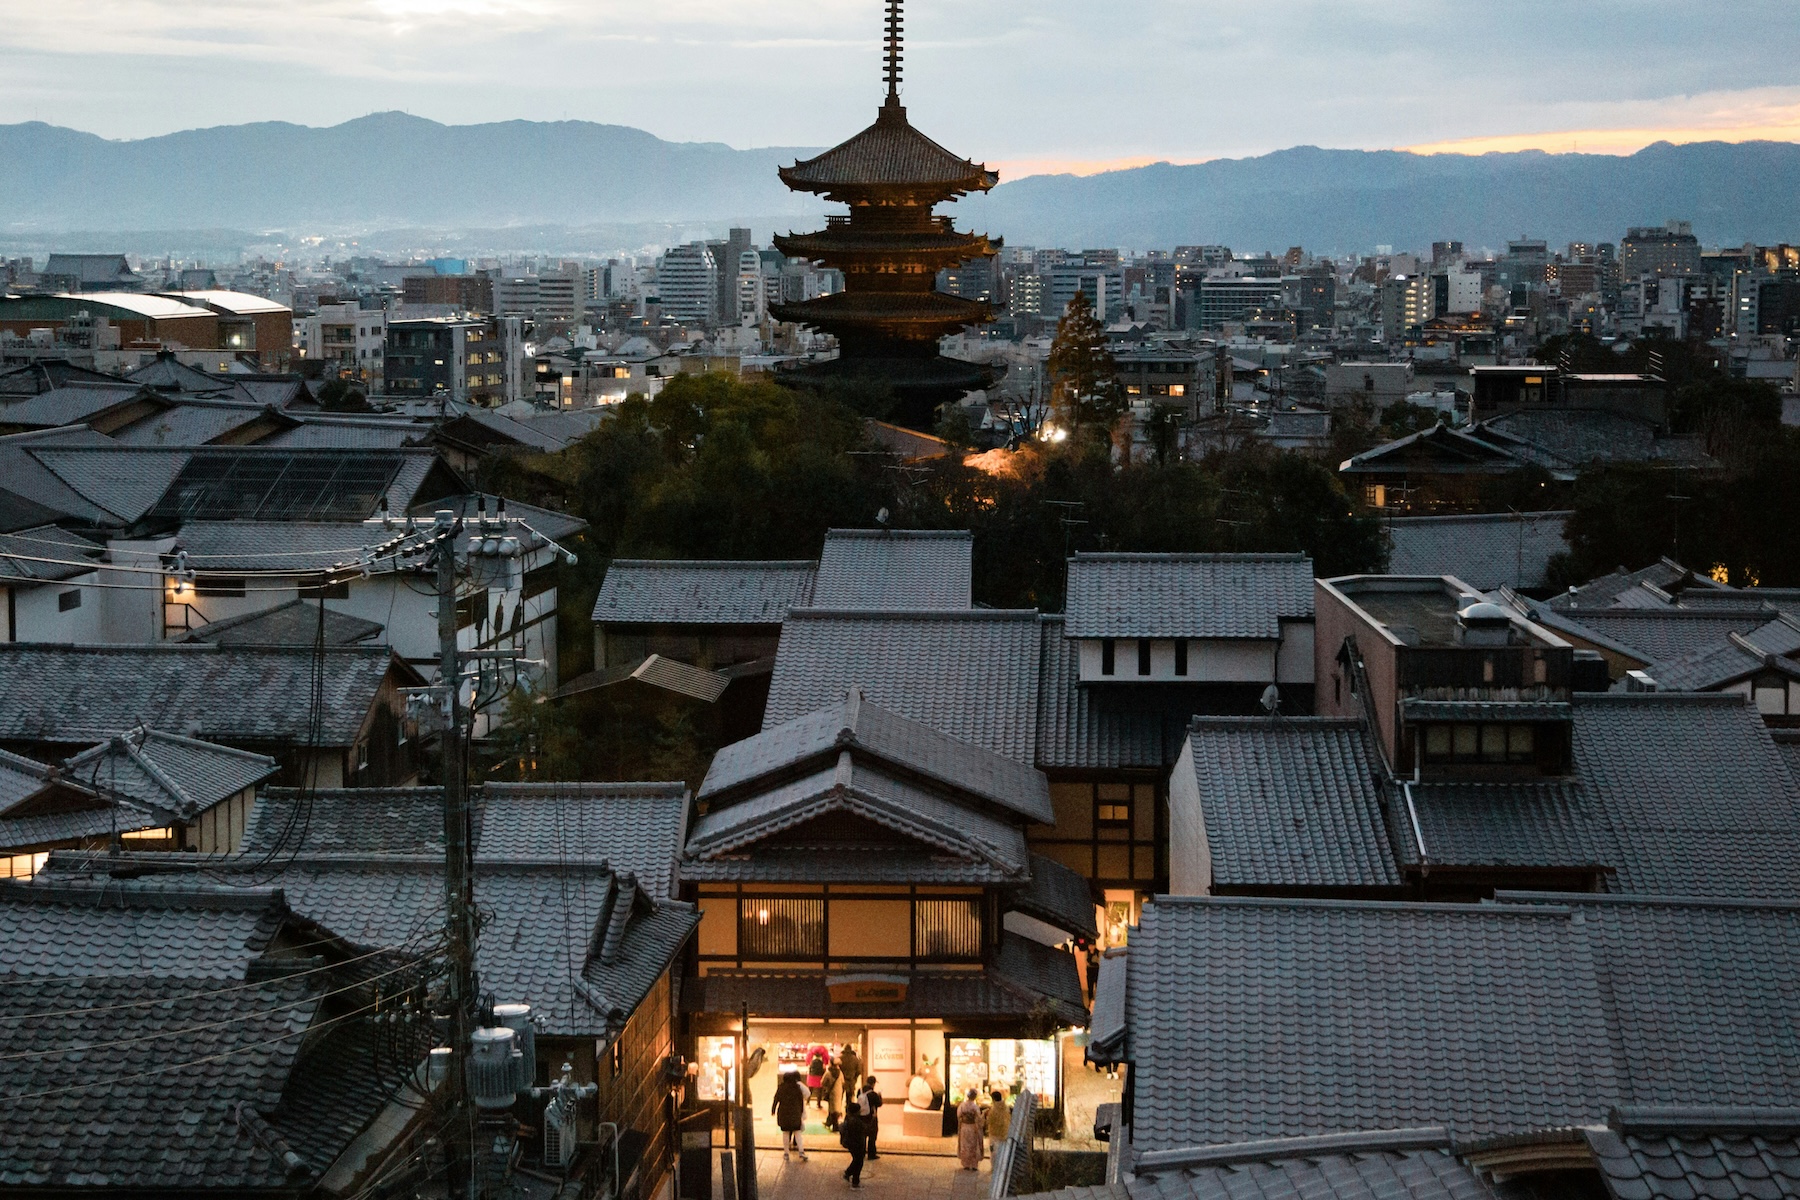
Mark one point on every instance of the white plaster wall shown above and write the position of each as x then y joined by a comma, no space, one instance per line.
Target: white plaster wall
1294,661
1190,857
38,615
1210,660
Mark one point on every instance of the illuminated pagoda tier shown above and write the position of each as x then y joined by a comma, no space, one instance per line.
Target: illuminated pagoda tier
890,247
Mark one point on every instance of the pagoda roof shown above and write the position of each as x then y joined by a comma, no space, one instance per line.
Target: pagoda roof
888,154
886,308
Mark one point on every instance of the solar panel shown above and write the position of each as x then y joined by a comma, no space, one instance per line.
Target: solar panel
327,485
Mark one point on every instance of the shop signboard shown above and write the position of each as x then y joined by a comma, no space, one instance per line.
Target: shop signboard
866,989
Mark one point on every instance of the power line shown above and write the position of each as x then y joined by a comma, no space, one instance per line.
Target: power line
220,1024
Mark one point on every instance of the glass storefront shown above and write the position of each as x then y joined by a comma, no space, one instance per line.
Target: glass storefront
1012,1065
717,1077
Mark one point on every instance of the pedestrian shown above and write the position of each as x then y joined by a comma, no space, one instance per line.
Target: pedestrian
854,1136
999,1118
870,1108
968,1132
850,1063
815,1073
834,1097
790,1114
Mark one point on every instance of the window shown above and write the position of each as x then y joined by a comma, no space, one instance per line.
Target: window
1108,656
69,601
218,585
1143,656
1112,806
1178,389
1181,653
781,928
1484,743
947,928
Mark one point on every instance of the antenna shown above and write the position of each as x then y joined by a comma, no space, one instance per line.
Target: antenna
892,73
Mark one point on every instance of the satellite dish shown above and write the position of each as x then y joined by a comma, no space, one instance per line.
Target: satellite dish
881,518
1271,700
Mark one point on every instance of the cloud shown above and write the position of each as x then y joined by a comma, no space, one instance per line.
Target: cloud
1762,114
1037,85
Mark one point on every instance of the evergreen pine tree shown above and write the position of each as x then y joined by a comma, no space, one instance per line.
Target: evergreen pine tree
1083,376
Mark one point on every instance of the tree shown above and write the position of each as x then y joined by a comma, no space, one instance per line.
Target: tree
341,396
1084,379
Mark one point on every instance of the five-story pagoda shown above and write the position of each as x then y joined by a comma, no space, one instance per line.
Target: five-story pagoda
890,247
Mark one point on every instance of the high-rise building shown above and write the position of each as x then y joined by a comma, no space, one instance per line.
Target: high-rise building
1664,253
728,254
687,280
1407,302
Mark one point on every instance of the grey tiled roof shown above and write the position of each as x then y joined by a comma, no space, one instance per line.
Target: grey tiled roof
1291,802
1692,989
1080,728
1730,659
46,542
979,844
1484,550
633,827
1306,1172
871,731
970,673
1574,437
694,592
168,773
62,928
545,926
229,694
295,623
18,834
934,994
314,431
1604,591
1681,794
1260,1019
192,423
188,1083
1653,634
1688,1153
273,545
1418,709
71,404
124,482
1057,896
894,568
1186,595
1041,970
20,777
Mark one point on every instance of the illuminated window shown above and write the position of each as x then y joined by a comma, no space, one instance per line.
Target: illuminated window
1178,389
160,834
781,928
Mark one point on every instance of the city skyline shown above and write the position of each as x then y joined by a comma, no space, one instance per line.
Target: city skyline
1234,80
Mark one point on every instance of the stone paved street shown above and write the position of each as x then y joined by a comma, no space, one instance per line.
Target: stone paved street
891,1177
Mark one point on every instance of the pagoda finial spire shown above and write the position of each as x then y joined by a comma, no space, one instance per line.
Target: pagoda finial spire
892,73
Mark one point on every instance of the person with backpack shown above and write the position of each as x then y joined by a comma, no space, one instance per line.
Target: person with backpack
869,1105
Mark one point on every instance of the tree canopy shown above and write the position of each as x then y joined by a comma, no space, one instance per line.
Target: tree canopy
1084,378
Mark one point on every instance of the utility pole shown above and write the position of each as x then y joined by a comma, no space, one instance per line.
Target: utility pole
461,985
500,543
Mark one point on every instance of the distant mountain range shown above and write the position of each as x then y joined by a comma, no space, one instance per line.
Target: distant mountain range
568,184
1344,200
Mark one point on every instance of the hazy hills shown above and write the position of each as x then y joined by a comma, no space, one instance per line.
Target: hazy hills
383,170
561,183
1353,199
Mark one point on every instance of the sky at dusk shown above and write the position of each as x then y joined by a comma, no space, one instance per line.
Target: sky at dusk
1028,85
